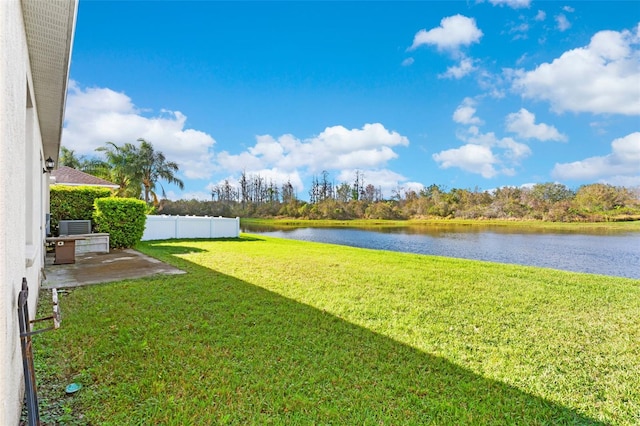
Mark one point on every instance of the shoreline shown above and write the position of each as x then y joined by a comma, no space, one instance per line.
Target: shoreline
622,226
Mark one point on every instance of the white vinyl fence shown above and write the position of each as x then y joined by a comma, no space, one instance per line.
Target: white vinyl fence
167,227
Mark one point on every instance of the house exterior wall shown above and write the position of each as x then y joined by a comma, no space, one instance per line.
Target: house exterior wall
23,198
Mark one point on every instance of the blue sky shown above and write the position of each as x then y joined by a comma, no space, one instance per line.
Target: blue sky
464,94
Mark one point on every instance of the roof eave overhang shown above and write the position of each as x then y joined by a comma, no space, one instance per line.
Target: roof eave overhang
50,27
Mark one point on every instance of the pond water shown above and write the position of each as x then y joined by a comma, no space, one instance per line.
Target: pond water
616,254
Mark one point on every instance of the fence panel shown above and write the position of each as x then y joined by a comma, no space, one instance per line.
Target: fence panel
167,227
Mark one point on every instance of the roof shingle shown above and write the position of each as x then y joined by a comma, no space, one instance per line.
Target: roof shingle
68,176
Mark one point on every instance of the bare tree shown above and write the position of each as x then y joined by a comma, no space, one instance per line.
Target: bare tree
358,186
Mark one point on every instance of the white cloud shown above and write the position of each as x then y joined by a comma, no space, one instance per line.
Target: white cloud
407,62
471,157
524,57
522,123
268,176
599,127
465,113
95,116
453,32
519,31
623,163
457,72
512,151
515,4
280,177
195,195
239,162
483,153
540,16
601,78
493,84
568,9
413,186
336,148
626,181
385,179
562,23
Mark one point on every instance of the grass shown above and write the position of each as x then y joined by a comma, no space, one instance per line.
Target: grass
272,331
519,225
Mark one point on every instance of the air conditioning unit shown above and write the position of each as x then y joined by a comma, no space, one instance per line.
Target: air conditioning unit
74,227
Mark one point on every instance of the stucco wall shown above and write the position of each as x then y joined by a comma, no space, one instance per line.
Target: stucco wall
22,197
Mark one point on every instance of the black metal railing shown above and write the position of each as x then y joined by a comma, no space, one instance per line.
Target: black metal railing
31,393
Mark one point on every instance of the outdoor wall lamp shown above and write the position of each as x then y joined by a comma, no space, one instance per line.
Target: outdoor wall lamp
49,165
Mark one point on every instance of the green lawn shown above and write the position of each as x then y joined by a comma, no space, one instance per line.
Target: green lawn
273,331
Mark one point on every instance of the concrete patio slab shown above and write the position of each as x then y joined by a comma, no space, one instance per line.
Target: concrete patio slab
95,268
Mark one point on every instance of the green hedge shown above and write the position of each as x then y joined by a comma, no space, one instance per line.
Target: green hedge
73,203
123,218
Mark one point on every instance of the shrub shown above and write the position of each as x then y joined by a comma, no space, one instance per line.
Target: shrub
123,218
73,203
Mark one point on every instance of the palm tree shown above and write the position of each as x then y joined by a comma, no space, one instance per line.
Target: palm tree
121,166
90,165
138,168
153,167
68,158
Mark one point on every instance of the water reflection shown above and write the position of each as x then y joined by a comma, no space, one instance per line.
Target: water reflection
440,229
606,253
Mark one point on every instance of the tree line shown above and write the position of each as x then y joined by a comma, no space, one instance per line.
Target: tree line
139,169
255,196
